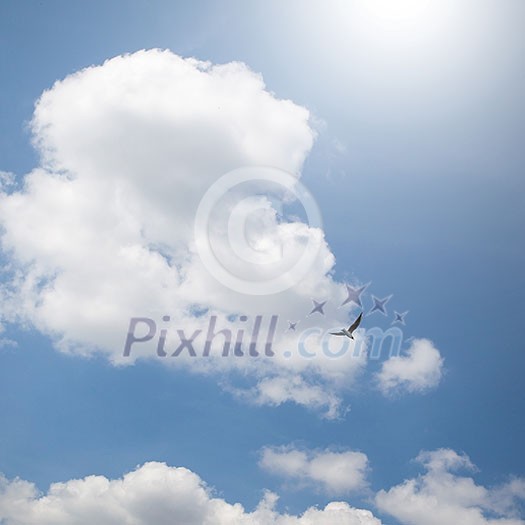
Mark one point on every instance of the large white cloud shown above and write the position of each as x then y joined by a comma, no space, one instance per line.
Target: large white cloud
334,472
102,230
152,494
439,496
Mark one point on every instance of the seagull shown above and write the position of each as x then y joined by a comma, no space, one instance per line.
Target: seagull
348,331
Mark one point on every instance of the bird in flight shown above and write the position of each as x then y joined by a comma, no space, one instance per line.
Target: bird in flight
348,331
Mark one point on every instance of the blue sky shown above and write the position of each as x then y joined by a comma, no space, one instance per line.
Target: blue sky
417,168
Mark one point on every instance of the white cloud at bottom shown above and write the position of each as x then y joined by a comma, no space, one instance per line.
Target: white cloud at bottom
440,496
153,493
156,493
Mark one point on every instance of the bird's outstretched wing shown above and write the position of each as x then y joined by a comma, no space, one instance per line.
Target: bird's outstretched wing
337,333
356,323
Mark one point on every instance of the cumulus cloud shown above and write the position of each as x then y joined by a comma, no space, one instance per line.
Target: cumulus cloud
153,493
160,494
441,496
333,472
103,229
419,370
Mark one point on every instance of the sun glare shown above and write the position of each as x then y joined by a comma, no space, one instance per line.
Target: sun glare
401,11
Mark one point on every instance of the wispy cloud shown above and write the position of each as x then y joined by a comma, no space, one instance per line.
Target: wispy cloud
334,472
